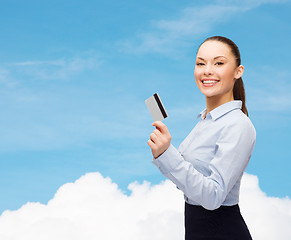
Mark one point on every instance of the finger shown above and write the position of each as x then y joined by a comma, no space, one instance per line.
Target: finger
150,143
157,132
160,126
154,137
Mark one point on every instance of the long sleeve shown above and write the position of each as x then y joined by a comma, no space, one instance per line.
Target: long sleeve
233,150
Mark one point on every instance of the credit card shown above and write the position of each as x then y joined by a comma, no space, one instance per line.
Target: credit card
156,108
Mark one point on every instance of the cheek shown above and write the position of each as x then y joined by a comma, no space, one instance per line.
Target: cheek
196,74
227,79
226,74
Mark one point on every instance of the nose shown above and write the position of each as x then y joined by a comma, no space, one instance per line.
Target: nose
208,70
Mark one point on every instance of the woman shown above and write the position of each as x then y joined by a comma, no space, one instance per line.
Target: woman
209,164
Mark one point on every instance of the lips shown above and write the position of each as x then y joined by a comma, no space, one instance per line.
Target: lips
209,82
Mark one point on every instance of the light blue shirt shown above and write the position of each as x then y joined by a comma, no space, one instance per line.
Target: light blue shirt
209,164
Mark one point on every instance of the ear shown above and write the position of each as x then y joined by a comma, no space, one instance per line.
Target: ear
239,71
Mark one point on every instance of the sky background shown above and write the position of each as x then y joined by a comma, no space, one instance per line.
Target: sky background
74,76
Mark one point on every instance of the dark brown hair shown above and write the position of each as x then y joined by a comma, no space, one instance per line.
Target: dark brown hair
238,88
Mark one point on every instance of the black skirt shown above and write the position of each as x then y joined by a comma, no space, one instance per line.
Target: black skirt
224,223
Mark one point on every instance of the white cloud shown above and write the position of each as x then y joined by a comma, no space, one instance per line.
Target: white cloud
94,208
267,217
62,68
41,116
167,36
249,4
5,79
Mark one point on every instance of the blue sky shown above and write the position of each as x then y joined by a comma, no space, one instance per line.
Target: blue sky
74,76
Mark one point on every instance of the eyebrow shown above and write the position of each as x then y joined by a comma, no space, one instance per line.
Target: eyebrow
213,58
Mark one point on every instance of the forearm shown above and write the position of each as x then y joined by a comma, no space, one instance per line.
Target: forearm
210,193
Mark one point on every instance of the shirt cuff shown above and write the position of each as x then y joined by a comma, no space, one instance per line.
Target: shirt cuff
169,160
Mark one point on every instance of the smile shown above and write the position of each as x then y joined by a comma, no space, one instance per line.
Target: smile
209,82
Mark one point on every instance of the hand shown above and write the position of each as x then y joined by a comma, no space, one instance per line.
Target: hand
160,139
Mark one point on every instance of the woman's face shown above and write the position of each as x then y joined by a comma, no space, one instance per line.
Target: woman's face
215,69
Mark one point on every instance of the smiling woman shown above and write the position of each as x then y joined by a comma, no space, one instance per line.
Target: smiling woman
218,73
210,162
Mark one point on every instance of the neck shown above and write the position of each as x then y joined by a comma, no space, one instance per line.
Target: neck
215,101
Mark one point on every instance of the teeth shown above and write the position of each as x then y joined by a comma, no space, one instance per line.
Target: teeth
209,81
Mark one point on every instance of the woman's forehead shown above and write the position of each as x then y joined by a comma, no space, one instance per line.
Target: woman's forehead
213,49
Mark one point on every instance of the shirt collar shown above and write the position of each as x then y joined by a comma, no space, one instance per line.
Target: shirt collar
222,109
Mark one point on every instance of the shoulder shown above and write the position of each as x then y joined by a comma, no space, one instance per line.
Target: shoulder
239,122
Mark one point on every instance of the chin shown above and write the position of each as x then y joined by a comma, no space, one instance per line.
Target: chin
209,94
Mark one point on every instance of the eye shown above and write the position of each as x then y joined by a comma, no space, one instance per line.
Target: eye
219,63
199,64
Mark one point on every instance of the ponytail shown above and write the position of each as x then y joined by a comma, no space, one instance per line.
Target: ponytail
239,94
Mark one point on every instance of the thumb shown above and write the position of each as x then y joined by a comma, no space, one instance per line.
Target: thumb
160,126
